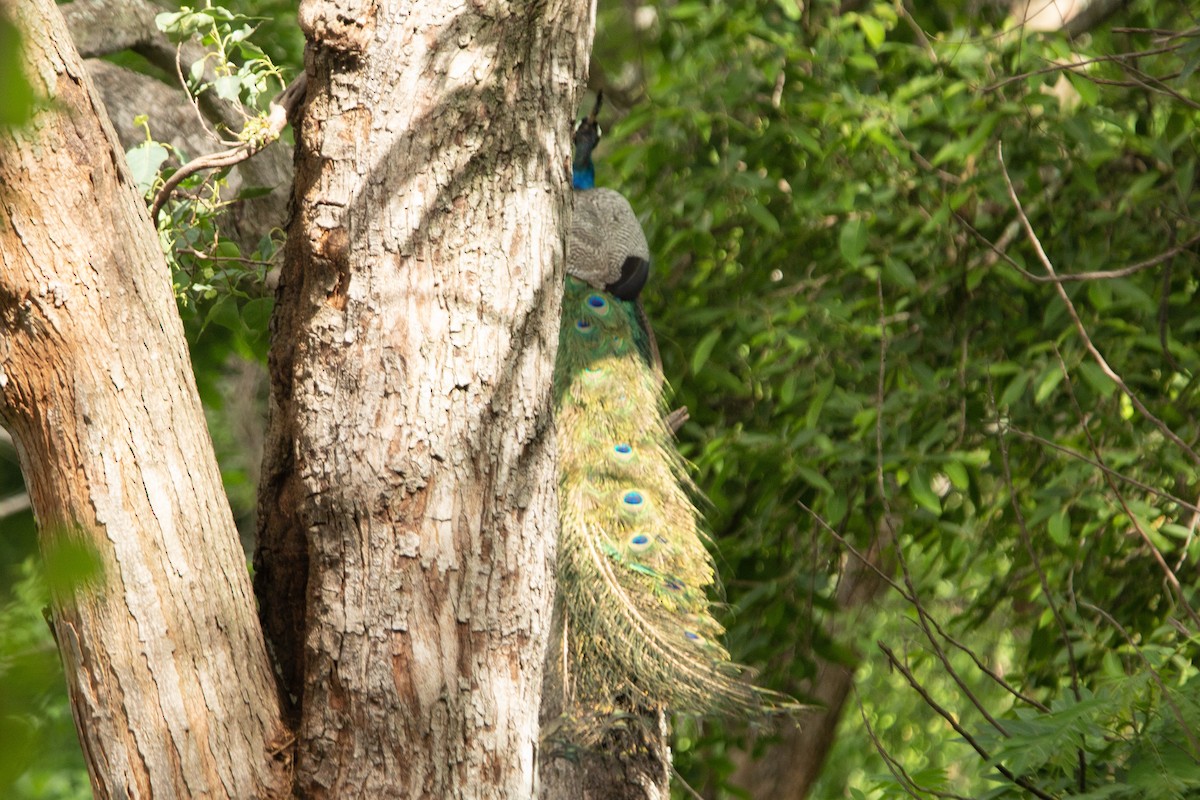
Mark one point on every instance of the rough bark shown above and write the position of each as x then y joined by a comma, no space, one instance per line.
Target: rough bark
168,677
408,510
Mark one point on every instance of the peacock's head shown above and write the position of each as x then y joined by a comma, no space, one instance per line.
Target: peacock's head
587,136
606,246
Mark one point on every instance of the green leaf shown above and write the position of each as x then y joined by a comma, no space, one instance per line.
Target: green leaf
251,192
1089,91
763,217
918,486
958,475
896,271
852,240
704,350
1095,377
1047,383
257,313
1059,528
790,8
814,478
228,87
145,161
873,29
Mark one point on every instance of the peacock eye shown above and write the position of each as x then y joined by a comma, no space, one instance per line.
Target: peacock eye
583,326
622,452
639,543
596,304
694,637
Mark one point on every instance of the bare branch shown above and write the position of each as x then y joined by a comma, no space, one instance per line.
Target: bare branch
14,505
1166,694
954,723
898,772
281,110
1172,579
1092,15
1079,327
1075,454
1075,66
101,27
923,615
1109,274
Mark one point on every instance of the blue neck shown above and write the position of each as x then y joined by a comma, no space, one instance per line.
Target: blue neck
584,178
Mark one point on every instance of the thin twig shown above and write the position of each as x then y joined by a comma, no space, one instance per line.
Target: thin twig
191,97
1027,541
1156,84
1187,730
1073,66
687,787
676,418
1164,308
1172,578
1079,327
898,772
917,31
958,728
1075,454
1108,274
923,615
1164,34
277,120
1043,582
900,590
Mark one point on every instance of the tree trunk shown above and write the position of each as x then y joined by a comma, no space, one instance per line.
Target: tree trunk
408,504
169,681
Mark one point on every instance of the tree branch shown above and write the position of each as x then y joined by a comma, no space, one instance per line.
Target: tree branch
1079,327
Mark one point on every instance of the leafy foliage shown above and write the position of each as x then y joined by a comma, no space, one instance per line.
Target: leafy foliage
41,757
860,326
823,210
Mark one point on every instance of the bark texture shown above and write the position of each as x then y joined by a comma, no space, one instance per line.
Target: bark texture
169,681
408,505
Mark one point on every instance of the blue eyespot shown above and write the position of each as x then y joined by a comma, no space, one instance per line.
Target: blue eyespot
584,326
596,304
622,452
694,637
633,499
639,543
674,585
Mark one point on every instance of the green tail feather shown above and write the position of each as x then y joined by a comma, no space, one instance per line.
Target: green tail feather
634,573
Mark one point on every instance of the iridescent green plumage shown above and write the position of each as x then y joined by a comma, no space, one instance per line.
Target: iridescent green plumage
633,569
637,634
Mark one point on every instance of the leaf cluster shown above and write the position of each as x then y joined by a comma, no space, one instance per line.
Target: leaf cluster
860,326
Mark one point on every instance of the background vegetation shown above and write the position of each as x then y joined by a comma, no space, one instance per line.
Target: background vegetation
876,354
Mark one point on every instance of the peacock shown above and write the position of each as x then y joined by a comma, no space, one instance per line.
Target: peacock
633,570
